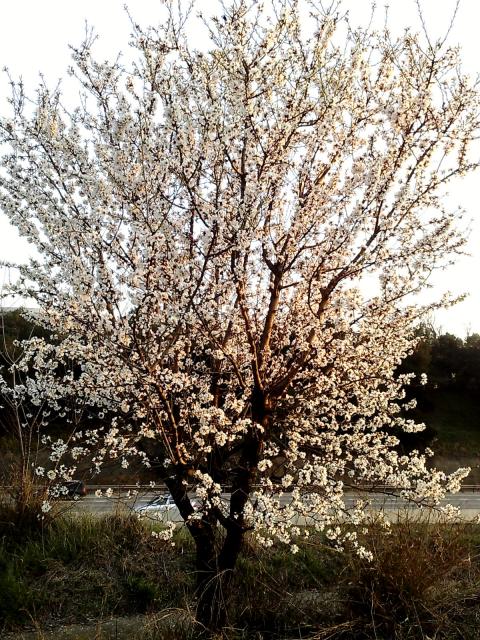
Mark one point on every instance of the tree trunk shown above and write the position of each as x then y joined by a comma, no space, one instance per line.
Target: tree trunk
214,580
211,610
215,570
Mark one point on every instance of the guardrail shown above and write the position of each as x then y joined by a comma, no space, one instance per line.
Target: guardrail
473,488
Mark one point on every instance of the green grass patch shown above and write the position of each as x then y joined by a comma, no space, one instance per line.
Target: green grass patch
84,567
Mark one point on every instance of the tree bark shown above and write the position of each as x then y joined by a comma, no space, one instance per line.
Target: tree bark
214,577
214,569
216,572
211,609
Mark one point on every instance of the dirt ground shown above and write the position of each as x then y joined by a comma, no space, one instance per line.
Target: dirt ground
114,629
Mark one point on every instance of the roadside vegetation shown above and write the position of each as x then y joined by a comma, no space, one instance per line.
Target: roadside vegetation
449,402
423,581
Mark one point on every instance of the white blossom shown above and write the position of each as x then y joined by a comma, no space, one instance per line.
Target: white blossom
46,506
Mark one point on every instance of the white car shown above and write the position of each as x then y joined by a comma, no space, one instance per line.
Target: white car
161,505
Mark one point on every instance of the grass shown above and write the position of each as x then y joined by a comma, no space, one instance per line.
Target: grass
87,567
424,581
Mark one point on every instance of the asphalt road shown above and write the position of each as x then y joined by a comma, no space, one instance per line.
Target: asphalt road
468,502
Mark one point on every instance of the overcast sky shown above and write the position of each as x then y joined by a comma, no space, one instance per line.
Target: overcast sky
34,39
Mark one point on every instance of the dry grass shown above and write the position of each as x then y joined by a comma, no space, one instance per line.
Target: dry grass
423,582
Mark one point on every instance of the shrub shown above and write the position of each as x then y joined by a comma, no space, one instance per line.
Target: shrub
416,586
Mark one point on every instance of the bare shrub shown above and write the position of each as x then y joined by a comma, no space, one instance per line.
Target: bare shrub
422,581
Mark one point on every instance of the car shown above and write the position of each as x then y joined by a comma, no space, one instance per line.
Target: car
160,503
163,504
74,489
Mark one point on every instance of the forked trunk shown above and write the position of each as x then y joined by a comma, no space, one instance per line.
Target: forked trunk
215,570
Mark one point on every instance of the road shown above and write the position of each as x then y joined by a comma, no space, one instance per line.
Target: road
468,502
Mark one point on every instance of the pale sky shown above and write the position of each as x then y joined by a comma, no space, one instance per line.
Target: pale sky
34,39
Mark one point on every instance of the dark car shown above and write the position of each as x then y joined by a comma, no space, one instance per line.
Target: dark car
75,489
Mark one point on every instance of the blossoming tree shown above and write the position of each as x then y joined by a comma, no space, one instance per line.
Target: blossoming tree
229,241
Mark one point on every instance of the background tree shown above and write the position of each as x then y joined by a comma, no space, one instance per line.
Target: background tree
206,221
448,401
19,422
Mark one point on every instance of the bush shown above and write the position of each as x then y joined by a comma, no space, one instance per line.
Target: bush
142,591
281,595
87,566
419,583
21,507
